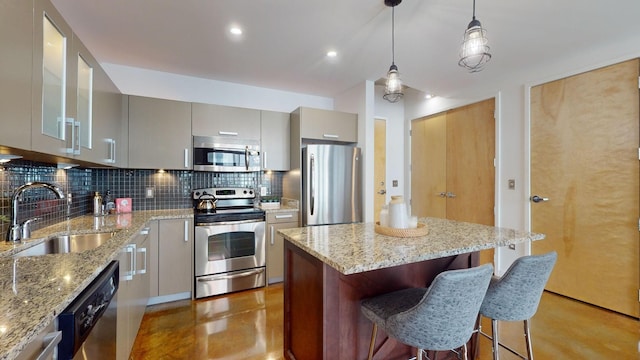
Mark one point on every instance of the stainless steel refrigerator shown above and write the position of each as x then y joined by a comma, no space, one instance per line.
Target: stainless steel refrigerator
331,184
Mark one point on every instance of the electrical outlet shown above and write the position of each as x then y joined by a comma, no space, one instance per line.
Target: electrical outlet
511,184
149,192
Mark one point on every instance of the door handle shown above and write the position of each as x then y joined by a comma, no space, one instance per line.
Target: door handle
442,194
382,192
450,195
537,199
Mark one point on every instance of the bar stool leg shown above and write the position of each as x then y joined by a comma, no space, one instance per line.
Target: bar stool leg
373,340
496,343
419,354
527,338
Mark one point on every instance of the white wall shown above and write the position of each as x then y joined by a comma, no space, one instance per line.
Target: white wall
512,127
359,100
157,84
397,133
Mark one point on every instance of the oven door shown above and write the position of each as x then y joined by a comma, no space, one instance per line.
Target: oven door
224,247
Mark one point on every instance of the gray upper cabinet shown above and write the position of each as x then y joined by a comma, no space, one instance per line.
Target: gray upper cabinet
320,126
226,121
16,36
53,99
327,125
159,134
108,120
274,143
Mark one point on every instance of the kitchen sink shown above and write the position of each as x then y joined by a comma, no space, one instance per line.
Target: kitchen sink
63,244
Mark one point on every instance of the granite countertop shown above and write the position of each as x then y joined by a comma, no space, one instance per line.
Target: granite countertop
355,248
285,206
35,289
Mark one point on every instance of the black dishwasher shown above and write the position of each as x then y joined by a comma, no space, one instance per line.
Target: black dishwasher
90,313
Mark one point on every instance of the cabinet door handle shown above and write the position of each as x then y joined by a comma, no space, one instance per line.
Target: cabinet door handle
264,159
131,249
186,158
287,216
228,133
113,151
272,235
49,344
144,253
76,143
330,136
186,230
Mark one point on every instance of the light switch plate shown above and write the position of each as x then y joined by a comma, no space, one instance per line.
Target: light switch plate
394,183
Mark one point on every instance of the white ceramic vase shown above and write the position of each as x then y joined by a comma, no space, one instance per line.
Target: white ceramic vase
398,213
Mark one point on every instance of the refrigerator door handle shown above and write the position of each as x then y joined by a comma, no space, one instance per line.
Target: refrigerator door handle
312,185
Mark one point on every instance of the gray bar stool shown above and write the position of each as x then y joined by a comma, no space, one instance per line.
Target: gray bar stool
440,317
516,295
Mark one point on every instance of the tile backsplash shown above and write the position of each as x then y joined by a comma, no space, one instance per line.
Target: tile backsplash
170,189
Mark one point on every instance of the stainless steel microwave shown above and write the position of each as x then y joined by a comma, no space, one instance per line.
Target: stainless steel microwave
215,153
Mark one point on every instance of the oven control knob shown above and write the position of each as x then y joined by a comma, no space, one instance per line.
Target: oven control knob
245,191
250,192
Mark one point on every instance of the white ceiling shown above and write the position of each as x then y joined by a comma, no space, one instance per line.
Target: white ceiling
285,41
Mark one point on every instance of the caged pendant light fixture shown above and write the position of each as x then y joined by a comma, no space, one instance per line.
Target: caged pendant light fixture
393,88
474,53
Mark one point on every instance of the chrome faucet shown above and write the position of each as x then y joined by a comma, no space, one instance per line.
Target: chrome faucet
15,230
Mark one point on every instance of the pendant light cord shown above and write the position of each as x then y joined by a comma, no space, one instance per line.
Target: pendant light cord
474,10
393,36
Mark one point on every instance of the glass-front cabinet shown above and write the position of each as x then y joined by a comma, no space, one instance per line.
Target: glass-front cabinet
51,50
84,102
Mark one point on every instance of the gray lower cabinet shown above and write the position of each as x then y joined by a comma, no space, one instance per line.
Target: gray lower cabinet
275,243
133,292
171,260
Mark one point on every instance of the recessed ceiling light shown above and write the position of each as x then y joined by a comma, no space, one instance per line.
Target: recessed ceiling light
429,96
332,53
235,30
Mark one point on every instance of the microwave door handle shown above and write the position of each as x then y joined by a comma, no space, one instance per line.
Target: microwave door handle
246,158
311,183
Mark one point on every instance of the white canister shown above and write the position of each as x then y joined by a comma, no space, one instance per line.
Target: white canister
397,213
384,216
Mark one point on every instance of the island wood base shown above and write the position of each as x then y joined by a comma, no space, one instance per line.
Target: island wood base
322,317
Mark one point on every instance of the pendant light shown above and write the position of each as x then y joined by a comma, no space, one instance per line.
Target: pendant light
474,53
393,88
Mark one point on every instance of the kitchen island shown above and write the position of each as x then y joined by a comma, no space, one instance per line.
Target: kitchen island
330,268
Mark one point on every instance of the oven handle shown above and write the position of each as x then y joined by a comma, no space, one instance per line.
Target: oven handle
230,222
233,276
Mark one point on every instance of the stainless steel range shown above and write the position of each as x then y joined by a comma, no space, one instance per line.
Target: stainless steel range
229,241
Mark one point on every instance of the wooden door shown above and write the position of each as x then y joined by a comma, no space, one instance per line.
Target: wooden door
453,173
379,167
429,166
470,168
584,159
